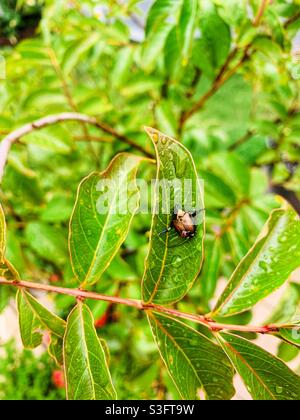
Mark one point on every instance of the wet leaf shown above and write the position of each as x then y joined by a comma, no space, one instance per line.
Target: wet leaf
86,370
35,318
173,263
266,377
270,262
104,209
198,366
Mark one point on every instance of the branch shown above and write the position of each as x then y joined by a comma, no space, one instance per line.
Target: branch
138,304
291,20
260,12
219,81
224,74
13,137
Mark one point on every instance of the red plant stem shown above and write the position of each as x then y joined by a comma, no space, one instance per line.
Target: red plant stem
138,304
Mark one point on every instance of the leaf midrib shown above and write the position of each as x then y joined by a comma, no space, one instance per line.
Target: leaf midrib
264,246
180,349
244,361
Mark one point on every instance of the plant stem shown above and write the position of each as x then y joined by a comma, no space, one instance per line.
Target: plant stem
138,304
13,137
292,20
68,95
222,77
225,72
260,12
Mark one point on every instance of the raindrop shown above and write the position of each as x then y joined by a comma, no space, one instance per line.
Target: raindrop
177,261
283,239
264,266
279,390
152,264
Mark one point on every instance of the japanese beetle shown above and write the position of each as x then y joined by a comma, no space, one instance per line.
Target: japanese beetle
184,223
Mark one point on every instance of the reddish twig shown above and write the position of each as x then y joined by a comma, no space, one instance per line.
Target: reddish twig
138,304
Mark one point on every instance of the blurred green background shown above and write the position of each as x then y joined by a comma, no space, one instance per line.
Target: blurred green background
129,64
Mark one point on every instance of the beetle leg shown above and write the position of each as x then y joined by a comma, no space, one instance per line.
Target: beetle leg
165,231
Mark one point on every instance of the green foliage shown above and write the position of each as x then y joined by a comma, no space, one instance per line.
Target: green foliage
197,366
103,232
221,77
266,267
34,318
25,376
266,377
169,273
16,16
87,375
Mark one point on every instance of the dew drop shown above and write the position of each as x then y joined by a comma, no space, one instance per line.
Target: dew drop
177,261
279,390
264,266
283,239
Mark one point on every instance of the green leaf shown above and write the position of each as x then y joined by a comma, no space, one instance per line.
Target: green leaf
34,318
265,376
214,45
173,263
290,335
287,352
54,139
211,267
76,50
6,268
198,367
232,171
160,11
55,349
162,17
104,209
217,193
58,209
266,267
121,70
48,242
154,45
86,370
165,118
234,118
288,306
186,28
